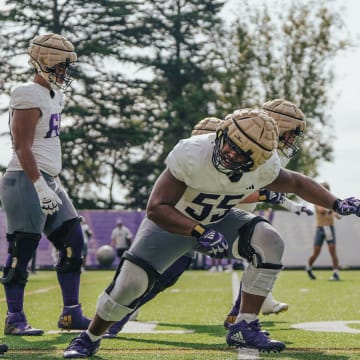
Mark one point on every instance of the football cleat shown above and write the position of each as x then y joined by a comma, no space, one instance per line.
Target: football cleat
3,349
81,347
231,318
249,335
276,307
72,318
16,324
335,277
311,274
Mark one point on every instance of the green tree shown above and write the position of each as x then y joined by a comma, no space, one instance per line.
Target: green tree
102,120
177,49
286,50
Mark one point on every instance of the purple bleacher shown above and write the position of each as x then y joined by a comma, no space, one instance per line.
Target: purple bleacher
101,223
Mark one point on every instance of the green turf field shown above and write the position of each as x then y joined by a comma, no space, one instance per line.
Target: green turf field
190,317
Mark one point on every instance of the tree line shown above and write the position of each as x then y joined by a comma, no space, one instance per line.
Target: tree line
148,71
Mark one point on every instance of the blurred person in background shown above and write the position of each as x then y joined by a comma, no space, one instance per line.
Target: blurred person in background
87,234
121,237
325,231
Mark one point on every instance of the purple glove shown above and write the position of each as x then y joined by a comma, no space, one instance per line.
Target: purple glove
213,242
347,206
271,197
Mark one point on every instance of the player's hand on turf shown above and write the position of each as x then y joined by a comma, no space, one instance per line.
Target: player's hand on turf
213,242
347,206
49,201
271,197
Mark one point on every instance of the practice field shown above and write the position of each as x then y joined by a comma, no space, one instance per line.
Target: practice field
185,321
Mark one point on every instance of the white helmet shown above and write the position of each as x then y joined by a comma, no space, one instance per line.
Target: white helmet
252,133
48,54
291,123
206,126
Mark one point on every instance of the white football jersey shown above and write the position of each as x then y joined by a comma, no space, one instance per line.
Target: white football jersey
46,146
252,206
210,194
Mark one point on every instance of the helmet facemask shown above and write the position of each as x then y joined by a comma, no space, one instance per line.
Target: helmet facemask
61,74
221,162
288,142
291,123
53,57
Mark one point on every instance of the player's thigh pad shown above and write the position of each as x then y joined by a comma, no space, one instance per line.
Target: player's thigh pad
158,247
21,204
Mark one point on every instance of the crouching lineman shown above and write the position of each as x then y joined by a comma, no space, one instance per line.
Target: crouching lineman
31,194
186,211
291,124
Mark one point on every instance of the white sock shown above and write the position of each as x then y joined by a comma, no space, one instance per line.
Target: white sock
92,337
247,317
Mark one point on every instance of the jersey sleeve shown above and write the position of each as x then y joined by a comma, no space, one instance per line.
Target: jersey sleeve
179,162
22,98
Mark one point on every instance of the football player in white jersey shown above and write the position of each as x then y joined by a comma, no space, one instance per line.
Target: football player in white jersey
192,206
31,194
291,124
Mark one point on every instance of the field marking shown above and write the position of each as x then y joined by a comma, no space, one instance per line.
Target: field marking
136,327
329,326
235,283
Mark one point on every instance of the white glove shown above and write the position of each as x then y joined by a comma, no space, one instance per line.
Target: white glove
296,207
48,199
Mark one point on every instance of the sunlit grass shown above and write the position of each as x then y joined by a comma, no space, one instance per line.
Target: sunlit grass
198,303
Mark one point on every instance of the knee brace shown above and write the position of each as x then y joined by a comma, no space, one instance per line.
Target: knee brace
69,240
134,279
20,249
249,246
109,310
266,251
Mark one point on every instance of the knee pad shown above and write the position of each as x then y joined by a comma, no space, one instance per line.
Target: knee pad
260,244
171,275
258,281
109,310
133,280
20,249
69,240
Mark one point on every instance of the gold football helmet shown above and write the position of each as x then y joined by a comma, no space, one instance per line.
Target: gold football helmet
291,123
250,132
206,126
53,57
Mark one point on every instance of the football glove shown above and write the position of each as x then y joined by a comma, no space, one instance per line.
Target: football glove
296,208
49,201
213,242
271,197
347,206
